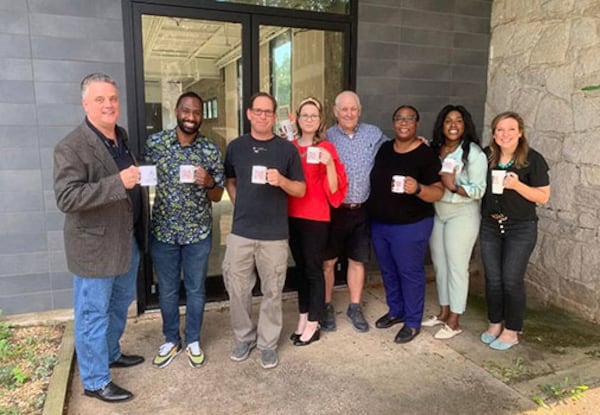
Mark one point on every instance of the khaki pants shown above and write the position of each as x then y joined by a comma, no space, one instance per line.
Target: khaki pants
269,258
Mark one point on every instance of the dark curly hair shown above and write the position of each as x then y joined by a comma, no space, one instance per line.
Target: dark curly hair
469,135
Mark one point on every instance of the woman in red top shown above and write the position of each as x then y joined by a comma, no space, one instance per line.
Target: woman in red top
326,184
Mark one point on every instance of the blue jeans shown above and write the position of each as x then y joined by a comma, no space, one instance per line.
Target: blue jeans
169,259
400,252
100,315
505,252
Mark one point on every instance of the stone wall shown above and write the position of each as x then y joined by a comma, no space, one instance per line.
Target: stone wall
542,54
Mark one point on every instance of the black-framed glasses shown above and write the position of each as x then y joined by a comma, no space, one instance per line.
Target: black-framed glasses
260,112
408,119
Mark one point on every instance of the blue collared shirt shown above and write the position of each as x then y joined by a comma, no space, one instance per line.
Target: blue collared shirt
182,212
357,152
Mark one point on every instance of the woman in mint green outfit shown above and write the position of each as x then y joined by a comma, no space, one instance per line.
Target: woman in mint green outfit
457,214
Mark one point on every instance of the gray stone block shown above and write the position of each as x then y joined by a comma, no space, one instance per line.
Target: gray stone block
426,20
58,26
55,221
378,32
26,303
446,6
61,280
77,49
48,179
25,284
17,114
375,50
375,14
62,299
22,223
57,93
97,8
47,158
11,202
20,243
21,181
19,159
55,241
14,22
60,115
466,89
18,136
71,71
467,24
472,73
58,261
426,37
51,135
50,201
14,46
16,69
426,54
478,8
23,264
469,57
13,5
478,41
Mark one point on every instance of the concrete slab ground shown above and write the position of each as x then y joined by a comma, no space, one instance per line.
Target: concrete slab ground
344,373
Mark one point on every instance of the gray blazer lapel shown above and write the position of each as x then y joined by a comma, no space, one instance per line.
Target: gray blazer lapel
99,150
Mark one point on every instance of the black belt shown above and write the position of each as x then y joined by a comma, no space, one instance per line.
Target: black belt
500,217
352,206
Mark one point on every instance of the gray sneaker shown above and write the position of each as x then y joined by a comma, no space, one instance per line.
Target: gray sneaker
241,351
357,319
268,358
328,321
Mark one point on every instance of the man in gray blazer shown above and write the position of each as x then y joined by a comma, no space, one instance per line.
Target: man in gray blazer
96,186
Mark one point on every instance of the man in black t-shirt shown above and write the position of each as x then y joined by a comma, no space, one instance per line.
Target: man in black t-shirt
261,170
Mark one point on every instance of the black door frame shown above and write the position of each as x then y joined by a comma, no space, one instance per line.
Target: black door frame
251,18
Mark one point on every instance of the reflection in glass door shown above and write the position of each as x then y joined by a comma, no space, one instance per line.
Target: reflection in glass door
298,62
202,56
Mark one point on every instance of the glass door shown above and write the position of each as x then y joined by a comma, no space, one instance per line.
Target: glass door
225,54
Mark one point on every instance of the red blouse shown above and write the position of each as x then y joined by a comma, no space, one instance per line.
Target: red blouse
315,203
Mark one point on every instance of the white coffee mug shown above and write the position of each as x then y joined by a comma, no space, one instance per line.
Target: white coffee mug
259,174
313,155
187,173
498,181
448,165
398,184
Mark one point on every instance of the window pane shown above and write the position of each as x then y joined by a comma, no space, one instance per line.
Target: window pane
329,6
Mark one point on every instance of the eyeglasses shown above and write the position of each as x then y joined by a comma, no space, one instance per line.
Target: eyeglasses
310,117
260,112
409,119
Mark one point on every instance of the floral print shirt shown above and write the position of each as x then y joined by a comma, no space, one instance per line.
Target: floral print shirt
182,212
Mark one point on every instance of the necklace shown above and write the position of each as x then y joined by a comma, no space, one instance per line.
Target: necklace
506,165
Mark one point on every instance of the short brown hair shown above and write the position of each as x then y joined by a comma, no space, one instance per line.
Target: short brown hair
262,94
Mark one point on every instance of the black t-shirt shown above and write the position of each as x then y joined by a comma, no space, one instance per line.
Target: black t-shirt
511,203
401,208
260,210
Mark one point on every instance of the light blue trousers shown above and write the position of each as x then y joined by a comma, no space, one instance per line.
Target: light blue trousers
455,230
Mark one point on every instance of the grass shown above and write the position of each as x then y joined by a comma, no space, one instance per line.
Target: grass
27,358
559,392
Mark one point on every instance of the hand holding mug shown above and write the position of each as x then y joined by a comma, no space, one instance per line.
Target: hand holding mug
511,180
130,176
325,157
273,177
410,185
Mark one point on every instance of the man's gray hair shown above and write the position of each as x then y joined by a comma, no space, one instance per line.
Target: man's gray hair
95,77
347,92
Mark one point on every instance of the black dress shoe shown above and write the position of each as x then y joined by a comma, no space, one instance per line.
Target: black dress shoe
406,334
315,337
387,321
294,337
127,361
110,393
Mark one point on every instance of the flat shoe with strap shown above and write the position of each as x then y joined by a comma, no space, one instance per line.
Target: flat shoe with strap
446,332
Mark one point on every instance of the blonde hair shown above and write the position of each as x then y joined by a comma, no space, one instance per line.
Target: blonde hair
522,150
320,133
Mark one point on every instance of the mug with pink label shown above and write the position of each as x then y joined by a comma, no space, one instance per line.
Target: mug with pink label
259,174
187,173
313,155
398,184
